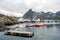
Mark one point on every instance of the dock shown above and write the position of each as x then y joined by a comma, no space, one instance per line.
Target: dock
19,33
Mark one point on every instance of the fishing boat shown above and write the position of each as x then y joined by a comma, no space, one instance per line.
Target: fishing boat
39,25
35,25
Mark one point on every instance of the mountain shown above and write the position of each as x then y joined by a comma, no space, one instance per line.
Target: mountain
58,14
30,14
41,15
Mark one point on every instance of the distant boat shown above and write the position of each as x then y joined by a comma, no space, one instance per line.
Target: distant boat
39,25
35,25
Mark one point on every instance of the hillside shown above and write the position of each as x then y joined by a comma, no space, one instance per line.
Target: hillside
7,19
41,15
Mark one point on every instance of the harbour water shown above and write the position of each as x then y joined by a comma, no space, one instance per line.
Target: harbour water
48,32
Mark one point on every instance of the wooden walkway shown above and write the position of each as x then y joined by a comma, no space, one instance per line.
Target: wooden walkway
19,33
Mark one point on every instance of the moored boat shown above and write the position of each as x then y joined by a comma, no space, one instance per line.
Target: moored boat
36,25
39,25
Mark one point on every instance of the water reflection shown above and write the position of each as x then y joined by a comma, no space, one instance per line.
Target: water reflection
48,32
49,26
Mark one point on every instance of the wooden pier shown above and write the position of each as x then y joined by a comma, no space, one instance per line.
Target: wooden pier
19,33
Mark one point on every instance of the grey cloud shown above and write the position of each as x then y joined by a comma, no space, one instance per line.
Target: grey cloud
22,6
12,6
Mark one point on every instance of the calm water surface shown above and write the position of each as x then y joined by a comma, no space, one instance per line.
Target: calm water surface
49,32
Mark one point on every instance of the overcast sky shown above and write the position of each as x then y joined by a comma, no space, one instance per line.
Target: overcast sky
18,7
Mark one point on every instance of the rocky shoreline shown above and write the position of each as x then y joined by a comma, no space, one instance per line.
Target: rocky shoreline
6,20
